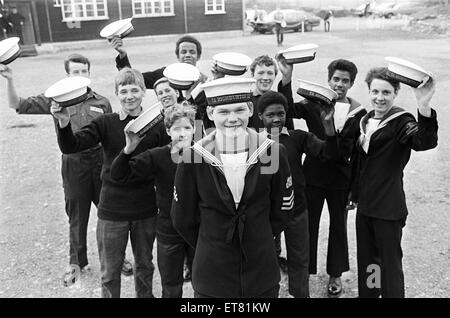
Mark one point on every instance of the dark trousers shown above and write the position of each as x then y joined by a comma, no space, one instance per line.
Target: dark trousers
277,241
171,258
326,24
112,239
271,293
81,182
337,253
190,252
297,249
379,243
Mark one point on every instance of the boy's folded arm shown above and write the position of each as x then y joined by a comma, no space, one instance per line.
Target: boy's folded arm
127,168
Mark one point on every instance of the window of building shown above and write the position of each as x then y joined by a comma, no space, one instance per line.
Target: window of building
215,6
153,8
84,10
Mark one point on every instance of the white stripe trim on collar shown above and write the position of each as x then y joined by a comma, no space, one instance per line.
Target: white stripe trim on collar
355,111
214,160
382,123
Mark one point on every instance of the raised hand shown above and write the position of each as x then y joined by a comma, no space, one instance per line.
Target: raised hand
60,113
285,68
117,44
132,140
6,72
423,94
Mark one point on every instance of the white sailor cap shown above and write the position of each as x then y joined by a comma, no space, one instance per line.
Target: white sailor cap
9,50
120,28
228,90
181,75
406,72
232,63
300,53
146,120
69,91
316,92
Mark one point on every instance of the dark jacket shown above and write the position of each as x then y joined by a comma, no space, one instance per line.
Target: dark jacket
80,114
380,179
235,255
331,174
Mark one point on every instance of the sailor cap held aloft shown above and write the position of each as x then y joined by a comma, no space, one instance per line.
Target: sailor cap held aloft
406,72
145,121
120,28
181,75
316,92
69,91
9,50
300,53
232,63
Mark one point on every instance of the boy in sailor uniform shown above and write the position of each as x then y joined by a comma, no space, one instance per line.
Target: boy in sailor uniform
233,193
273,108
159,165
388,133
333,180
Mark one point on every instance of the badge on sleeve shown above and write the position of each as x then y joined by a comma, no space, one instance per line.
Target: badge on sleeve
175,196
97,109
288,201
289,182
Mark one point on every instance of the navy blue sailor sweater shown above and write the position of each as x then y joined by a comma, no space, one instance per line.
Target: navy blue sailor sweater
118,201
153,165
380,175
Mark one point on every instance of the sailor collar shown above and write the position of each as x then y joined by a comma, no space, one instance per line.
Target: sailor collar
284,131
391,115
258,144
365,136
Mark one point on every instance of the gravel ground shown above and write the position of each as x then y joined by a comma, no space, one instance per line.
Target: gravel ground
33,226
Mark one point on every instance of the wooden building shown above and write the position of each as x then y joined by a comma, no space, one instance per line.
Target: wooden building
74,20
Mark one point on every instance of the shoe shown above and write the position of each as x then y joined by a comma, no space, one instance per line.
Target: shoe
282,262
334,286
187,275
71,275
127,268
